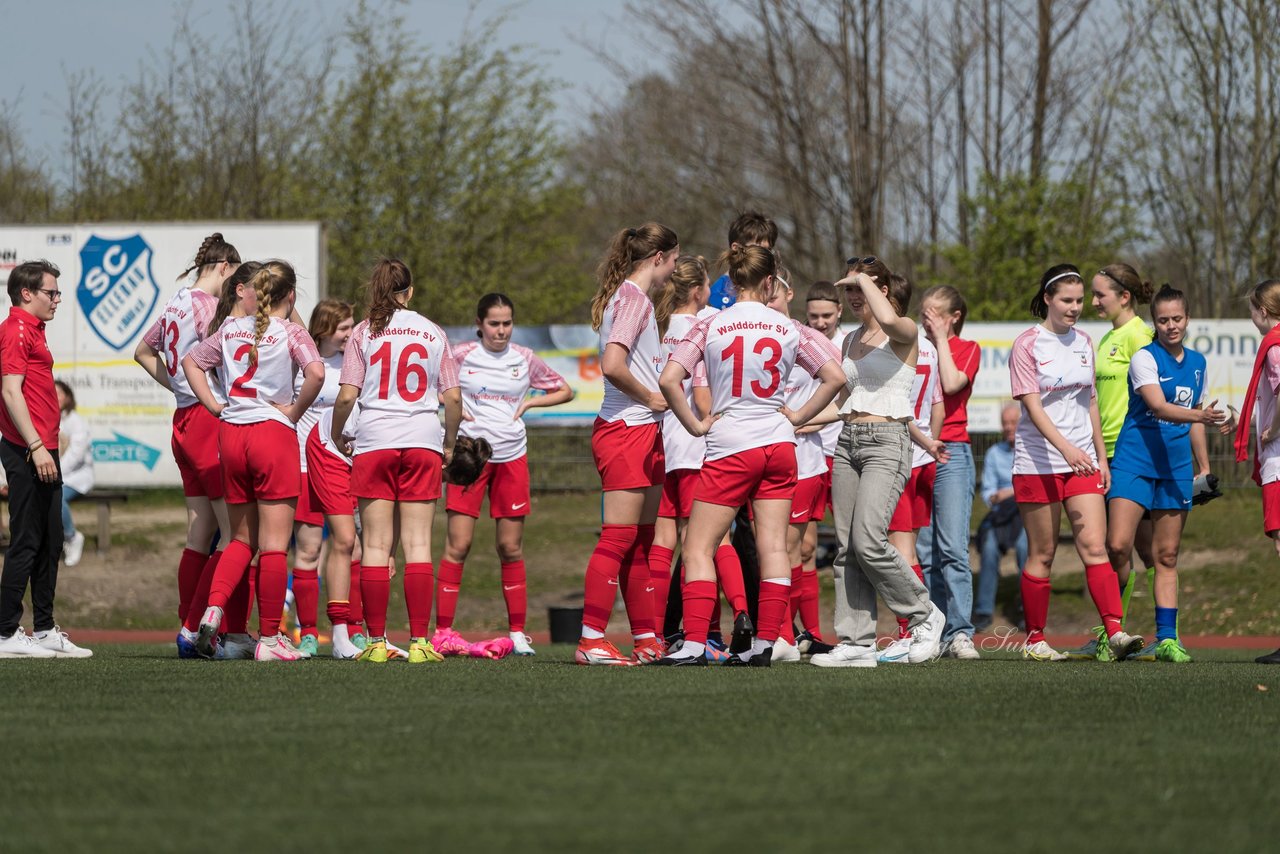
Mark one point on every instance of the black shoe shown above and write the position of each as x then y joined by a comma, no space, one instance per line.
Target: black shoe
1273,658
761,659
681,661
982,622
809,645
744,631
734,661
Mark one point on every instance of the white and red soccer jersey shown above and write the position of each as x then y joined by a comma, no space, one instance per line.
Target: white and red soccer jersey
493,387
831,433
811,459
682,451
181,326
324,400
325,426
629,321
749,350
925,392
1264,411
253,388
1060,368
400,372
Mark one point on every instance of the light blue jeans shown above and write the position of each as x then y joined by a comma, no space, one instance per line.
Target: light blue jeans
989,572
68,526
943,547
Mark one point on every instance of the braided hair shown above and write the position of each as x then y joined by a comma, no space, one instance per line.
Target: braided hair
214,250
272,284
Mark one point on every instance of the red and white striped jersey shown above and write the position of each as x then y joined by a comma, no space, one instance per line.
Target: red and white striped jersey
682,451
254,387
324,400
629,321
180,327
1060,368
493,387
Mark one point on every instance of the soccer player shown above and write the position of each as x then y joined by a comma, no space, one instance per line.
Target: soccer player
182,325
399,366
260,354
1060,460
943,545
751,228
496,377
748,350
1151,467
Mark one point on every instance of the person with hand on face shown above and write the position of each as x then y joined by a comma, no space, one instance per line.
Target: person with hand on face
29,452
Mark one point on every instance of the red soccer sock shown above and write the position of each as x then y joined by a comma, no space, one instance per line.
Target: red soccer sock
355,622
660,579
448,583
273,584
514,592
1035,605
601,582
793,603
375,590
235,560
306,598
235,620
190,567
809,604
775,594
788,630
339,612
637,592
729,574
714,625
419,584
200,596
699,598
1104,587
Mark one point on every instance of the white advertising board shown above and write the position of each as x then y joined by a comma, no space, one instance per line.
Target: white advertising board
116,278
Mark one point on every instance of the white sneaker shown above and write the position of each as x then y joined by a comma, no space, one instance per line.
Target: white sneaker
61,645
522,642
209,624
238,647
962,647
1041,651
927,636
846,655
73,549
21,645
275,648
896,652
1124,645
343,648
302,654
783,651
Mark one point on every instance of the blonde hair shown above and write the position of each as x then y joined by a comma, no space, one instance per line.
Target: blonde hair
627,249
689,275
272,284
749,266
1266,296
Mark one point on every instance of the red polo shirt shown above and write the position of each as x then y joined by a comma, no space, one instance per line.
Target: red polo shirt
24,351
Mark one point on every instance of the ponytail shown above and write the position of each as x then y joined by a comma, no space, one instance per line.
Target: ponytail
749,265
1056,275
390,276
626,250
227,299
272,284
213,250
689,275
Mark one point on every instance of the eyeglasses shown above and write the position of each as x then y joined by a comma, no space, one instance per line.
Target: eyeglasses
54,295
860,262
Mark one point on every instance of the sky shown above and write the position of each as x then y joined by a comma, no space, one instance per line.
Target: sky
49,40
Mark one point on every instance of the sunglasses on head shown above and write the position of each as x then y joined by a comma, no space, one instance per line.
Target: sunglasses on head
863,262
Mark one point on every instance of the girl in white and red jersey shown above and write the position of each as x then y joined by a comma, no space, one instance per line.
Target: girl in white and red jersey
1060,458
748,350
399,366
626,440
330,327
259,354
496,377
181,325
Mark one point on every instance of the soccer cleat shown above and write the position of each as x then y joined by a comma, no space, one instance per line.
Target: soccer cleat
926,637
358,640
1123,645
1269,658
61,645
22,645
1147,653
395,653
1041,651
72,549
761,659
599,652
744,631
523,643
309,645
895,652
1097,649
375,651
647,651
186,647
422,652
846,655
1170,650
448,642
275,648
962,647
810,645
784,652
289,644
238,647
714,652
681,661
208,631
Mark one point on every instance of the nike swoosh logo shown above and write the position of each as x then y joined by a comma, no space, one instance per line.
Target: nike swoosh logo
448,589
1042,364
471,371
1165,379
613,581
510,586
797,515
648,590
518,506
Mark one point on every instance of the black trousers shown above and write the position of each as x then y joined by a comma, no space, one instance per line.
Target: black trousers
35,540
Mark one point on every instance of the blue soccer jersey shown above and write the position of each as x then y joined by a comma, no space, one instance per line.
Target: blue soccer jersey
723,294
1148,445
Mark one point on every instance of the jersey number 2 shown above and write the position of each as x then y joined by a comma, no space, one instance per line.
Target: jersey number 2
240,386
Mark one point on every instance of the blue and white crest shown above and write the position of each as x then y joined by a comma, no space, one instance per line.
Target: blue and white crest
117,291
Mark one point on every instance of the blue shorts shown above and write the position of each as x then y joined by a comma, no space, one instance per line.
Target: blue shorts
1152,493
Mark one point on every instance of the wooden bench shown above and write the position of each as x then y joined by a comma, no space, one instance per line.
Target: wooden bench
104,499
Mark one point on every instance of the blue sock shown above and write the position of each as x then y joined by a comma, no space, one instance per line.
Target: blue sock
1166,623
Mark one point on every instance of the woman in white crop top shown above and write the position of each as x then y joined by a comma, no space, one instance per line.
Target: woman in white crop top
872,463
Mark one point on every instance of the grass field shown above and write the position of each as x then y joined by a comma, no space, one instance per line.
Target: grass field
135,751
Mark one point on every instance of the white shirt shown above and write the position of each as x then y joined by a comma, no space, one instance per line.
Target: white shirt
493,387
76,461
1060,368
811,459
749,349
925,392
325,426
682,450
831,433
253,388
629,321
400,372
180,327
324,400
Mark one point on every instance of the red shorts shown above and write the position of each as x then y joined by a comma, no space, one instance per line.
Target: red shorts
1271,507
807,504
397,474
306,512
913,507
1053,488
258,463
628,457
677,493
507,485
195,450
756,474
328,480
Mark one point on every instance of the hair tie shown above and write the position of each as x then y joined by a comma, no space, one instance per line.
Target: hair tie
631,232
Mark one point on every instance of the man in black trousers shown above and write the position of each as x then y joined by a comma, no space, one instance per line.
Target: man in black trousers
29,451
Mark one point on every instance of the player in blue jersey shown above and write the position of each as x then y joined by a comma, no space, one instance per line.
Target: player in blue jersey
1153,469
751,228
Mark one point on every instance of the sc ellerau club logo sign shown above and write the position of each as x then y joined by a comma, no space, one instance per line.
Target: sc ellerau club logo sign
117,291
